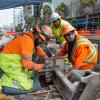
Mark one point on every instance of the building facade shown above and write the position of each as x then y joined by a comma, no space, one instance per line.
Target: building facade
76,11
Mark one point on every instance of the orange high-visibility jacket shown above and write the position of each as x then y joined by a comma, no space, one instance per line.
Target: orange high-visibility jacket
83,50
23,45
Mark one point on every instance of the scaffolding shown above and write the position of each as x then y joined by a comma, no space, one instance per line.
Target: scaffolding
93,23
86,19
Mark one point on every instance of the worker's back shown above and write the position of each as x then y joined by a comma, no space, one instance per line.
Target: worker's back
16,45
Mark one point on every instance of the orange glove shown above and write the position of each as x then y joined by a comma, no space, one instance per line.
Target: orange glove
37,67
40,51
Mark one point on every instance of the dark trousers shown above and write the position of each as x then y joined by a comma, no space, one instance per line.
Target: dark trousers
14,91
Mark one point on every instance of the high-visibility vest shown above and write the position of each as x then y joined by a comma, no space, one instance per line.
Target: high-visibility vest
15,75
90,57
58,31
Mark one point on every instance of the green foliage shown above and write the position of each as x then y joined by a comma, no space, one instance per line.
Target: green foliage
47,10
86,3
72,21
62,8
19,27
30,20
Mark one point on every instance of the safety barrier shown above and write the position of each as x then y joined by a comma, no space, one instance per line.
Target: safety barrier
84,32
97,32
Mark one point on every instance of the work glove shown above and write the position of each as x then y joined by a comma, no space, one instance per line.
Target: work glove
37,59
48,53
37,67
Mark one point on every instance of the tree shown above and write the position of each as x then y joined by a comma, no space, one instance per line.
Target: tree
62,9
29,22
47,10
72,21
18,28
46,13
87,5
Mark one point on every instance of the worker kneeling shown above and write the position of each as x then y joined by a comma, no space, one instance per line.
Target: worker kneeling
18,69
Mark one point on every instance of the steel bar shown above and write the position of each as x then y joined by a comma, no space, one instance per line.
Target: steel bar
52,69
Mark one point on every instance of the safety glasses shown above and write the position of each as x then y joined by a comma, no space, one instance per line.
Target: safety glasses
68,34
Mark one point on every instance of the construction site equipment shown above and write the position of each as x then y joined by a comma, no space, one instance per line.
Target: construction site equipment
85,90
88,82
88,86
51,65
97,32
54,64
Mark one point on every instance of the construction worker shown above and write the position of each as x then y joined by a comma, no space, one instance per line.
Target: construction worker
49,51
17,65
80,50
57,24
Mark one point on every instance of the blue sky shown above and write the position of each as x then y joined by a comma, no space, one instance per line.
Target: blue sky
6,17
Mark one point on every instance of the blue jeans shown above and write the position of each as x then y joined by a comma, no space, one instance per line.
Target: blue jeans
37,85
14,91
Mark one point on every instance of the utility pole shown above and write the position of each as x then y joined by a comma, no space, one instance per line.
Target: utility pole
14,18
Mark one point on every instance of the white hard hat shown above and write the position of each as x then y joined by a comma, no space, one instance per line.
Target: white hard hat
54,16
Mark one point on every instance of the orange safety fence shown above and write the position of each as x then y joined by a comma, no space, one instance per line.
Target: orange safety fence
97,32
11,33
84,32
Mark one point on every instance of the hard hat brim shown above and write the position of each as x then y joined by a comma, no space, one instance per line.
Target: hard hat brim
39,33
55,18
42,36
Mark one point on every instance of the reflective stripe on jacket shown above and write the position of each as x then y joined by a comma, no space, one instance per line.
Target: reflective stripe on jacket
83,50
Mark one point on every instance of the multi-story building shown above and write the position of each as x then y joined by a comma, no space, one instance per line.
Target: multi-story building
80,13
89,18
18,17
30,11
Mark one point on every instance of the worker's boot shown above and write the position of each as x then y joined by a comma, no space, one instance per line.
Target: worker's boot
5,97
